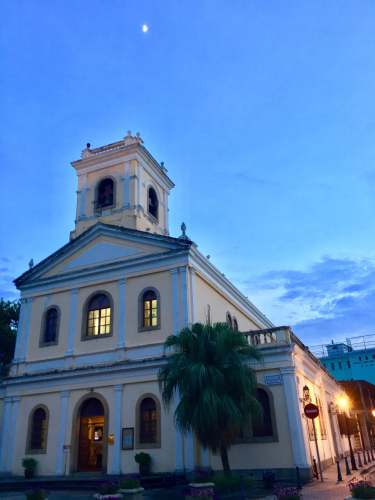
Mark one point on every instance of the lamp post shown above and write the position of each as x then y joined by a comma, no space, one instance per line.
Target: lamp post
344,404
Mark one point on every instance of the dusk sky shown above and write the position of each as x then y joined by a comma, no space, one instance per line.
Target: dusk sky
263,112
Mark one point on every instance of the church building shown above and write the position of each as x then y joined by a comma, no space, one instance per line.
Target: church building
82,394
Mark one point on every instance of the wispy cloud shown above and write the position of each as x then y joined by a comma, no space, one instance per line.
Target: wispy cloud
334,298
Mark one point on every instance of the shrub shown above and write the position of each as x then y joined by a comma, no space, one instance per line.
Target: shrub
29,463
108,488
226,483
362,489
142,458
36,495
129,484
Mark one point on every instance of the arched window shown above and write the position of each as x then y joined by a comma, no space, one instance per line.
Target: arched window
153,203
98,316
235,324
229,320
150,309
262,425
148,422
38,430
50,326
105,194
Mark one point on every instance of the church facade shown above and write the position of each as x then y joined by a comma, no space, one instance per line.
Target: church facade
82,394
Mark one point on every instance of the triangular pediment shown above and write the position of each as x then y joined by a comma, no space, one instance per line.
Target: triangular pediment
101,246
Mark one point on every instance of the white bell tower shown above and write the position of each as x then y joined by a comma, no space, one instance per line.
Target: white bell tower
122,184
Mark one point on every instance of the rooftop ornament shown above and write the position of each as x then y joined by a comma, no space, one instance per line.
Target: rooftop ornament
184,236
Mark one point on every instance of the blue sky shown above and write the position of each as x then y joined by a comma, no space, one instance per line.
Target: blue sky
263,112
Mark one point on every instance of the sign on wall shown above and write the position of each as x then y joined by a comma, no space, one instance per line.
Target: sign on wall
127,441
273,380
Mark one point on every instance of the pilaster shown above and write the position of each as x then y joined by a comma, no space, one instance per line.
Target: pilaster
121,321
192,281
72,322
175,301
5,436
299,448
116,459
61,437
184,297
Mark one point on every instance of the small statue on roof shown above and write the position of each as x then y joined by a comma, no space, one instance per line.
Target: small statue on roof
184,236
31,263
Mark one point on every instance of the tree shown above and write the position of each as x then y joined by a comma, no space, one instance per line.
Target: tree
208,372
9,314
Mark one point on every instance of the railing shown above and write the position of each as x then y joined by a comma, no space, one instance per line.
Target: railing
269,337
360,343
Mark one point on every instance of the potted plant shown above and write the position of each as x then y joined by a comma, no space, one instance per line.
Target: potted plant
361,489
268,479
29,464
131,489
144,461
36,495
108,491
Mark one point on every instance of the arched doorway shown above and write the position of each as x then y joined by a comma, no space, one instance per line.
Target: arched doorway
92,436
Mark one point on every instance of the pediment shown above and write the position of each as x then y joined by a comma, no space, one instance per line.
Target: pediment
99,252
100,246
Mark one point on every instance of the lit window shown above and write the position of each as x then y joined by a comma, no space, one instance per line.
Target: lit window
150,318
98,316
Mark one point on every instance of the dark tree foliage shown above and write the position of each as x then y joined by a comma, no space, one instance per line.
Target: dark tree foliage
208,372
9,314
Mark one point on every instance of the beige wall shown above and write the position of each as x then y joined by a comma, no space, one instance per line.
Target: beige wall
163,458
206,294
264,455
46,461
134,286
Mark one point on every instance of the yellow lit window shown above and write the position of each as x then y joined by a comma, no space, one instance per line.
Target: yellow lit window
99,316
150,309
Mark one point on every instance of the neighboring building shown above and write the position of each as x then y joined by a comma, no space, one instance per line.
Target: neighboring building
350,360
83,394
362,403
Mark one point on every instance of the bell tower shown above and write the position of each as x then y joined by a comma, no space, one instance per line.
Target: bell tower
122,184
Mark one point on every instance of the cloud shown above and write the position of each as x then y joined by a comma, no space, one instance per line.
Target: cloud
333,298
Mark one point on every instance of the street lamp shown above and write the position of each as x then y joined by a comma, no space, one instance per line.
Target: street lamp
344,404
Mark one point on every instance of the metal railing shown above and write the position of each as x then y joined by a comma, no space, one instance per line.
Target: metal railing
359,343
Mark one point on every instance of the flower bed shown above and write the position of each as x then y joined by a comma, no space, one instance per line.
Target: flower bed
288,493
362,489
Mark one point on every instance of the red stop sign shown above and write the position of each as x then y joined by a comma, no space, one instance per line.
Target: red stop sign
311,411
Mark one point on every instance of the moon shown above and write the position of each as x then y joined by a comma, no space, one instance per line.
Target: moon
145,28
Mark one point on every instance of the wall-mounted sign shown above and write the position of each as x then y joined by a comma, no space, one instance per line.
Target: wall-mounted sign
273,380
311,411
127,441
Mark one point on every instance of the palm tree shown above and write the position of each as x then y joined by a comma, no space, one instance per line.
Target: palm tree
208,371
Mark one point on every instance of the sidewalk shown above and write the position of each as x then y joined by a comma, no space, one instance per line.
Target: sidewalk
330,489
